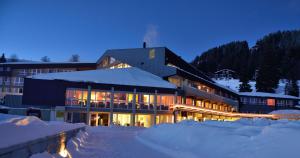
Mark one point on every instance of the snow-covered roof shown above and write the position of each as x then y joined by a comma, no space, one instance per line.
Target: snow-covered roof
285,112
126,76
263,94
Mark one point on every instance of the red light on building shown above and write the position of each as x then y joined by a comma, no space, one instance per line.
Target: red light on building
271,102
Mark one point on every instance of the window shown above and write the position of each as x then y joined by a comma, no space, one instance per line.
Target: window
289,102
175,80
253,100
121,119
22,72
244,100
120,65
18,81
179,100
189,101
271,102
7,81
21,90
79,97
152,54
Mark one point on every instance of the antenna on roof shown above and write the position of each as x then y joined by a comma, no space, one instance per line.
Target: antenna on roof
144,44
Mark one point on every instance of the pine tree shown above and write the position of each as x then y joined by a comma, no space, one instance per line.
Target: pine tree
244,78
74,58
244,73
45,59
283,45
14,58
245,87
293,88
268,73
2,59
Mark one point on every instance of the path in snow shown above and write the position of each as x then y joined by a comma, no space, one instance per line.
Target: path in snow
104,142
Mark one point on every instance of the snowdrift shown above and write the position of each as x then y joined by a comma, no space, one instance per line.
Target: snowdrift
246,138
17,129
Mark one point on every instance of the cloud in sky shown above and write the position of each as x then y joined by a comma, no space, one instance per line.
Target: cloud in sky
151,35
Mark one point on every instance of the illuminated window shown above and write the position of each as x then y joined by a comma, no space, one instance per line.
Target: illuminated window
189,101
175,81
121,119
179,101
198,103
143,120
152,54
271,102
120,65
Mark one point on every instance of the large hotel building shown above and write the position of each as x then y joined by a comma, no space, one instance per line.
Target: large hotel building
142,87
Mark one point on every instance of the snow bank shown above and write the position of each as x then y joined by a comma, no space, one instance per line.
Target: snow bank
17,129
246,138
44,155
5,117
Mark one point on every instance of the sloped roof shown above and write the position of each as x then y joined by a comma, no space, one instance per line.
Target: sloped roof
127,76
271,95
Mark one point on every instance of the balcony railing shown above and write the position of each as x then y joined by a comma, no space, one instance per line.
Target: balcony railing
209,96
120,106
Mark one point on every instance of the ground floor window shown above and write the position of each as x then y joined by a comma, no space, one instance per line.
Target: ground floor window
122,119
164,119
143,120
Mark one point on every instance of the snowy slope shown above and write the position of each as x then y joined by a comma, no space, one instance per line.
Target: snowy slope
235,83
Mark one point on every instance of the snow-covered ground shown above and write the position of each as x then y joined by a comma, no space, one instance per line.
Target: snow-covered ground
108,142
235,83
258,138
17,129
246,138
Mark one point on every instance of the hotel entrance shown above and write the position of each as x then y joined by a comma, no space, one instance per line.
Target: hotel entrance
99,119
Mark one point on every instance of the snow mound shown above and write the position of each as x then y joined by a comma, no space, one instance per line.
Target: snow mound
245,138
18,129
43,155
30,120
5,117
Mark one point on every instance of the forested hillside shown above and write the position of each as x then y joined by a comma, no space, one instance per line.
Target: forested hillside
275,56
283,49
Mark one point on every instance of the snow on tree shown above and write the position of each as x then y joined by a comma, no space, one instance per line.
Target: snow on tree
74,58
45,59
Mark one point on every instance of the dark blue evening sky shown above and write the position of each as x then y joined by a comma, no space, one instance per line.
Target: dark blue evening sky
58,28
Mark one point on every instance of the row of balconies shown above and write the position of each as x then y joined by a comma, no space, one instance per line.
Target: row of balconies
123,106
209,96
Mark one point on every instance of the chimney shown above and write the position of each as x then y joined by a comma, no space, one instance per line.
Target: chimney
144,44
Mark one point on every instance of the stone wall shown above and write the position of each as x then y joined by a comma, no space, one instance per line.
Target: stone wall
52,144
